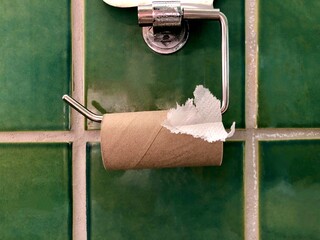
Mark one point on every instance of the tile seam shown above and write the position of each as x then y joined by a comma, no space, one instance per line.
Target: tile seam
79,223
47,136
262,134
287,134
251,187
251,63
251,170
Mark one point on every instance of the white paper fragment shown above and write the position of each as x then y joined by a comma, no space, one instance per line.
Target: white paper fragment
199,117
135,3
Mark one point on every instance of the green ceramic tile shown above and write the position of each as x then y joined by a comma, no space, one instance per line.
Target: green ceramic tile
123,74
35,65
35,191
289,53
290,190
179,203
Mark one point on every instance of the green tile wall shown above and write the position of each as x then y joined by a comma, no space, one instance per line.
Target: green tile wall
290,190
289,53
180,203
35,191
123,74
35,47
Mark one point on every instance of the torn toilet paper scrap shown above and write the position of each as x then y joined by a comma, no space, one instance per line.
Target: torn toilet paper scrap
200,117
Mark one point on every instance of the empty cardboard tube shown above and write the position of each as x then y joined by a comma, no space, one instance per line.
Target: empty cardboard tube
137,140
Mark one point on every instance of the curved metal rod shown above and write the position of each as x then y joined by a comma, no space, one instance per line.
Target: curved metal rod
198,11
215,14
81,109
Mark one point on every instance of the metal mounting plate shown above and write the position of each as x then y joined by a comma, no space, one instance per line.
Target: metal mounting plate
166,40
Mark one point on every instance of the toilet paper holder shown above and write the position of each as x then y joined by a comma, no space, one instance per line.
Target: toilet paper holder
165,30
165,27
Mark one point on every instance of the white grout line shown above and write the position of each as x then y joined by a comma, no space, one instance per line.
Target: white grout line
262,134
21,137
77,124
251,170
47,137
239,135
251,96
269,134
251,187
79,190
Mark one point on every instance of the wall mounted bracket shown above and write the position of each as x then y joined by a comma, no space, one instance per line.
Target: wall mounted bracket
165,30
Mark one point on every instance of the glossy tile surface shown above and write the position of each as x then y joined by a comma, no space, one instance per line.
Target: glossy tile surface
35,191
290,190
289,53
123,74
35,47
180,203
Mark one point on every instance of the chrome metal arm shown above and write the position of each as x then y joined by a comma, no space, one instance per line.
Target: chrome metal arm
215,14
81,109
172,13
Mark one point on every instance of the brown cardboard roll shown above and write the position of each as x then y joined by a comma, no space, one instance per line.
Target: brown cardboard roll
137,140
